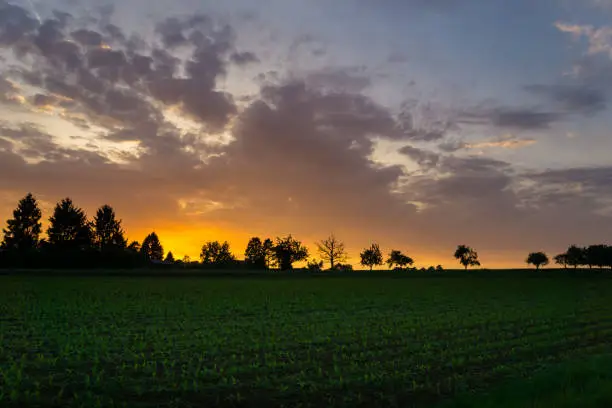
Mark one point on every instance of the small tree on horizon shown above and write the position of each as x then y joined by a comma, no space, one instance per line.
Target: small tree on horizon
575,256
23,230
287,251
561,259
216,254
332,250
151,248
467,256
371,257
398,258
537,259
259,254
169,258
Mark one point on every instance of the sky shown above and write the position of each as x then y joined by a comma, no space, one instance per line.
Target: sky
416,124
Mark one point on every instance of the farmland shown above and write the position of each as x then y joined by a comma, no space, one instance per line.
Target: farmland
335,341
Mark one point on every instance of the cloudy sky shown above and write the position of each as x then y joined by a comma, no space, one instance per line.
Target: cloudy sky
417,124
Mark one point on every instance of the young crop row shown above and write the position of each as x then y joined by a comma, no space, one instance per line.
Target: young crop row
344,343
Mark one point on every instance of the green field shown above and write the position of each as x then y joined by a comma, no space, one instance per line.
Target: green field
335,341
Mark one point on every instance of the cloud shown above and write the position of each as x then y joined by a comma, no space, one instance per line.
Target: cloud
512,118
572,98
244,58
600,39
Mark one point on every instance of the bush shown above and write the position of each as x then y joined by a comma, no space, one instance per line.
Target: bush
315,266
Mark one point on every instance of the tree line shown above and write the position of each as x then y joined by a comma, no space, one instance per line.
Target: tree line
73,241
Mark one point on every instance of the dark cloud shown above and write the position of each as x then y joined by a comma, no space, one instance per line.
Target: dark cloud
572,99
513,118
424,158
15,23
87,38
244,58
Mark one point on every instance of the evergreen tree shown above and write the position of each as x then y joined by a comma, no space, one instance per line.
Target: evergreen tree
170,258
107,229
152,248
69,228
23,230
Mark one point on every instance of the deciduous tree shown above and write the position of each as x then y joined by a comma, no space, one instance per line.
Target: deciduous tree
397,258
467,256
332,250
287,251
372,256
216,254
537,259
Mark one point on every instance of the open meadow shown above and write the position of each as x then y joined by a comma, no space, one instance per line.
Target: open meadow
303,341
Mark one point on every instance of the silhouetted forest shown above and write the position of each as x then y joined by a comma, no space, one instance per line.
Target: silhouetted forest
74,241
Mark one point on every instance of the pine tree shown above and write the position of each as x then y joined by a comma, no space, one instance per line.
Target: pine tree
152,248
107,229
23,230
69,227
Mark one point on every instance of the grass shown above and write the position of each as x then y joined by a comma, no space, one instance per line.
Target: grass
585,383
334,341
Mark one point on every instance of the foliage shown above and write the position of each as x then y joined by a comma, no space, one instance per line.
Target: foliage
315,266
107,230
287,251
561,259
537,259
372,256
332,250
151,248
575,256
23,230
397,258
217,254
69,228
258,254
343,267
170,258
467,256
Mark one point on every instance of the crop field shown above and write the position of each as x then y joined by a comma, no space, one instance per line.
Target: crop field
311,342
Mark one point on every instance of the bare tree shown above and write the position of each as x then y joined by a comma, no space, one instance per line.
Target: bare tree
332,250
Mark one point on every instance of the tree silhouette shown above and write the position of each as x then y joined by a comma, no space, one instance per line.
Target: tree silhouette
287,251
107,229
466,256
397,258
598,255
169,258
69,228
561,259
332,250
537,259
372,256
216,254
134,246
23,230
575,256
258,254
152,248
315,266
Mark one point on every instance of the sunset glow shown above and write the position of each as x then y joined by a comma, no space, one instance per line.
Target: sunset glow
416,125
